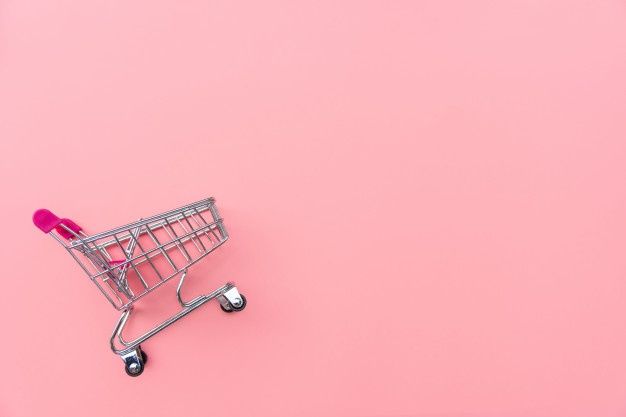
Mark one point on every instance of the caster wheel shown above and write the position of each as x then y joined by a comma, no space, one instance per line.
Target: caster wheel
232,308
135,369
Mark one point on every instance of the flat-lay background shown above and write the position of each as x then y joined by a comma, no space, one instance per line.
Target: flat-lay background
426,201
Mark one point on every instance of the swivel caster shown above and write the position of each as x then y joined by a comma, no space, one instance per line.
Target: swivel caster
135,362
231,307
231,300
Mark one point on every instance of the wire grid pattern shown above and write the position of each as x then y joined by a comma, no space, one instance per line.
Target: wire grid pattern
128,262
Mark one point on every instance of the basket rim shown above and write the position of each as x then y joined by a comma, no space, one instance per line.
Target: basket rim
80,241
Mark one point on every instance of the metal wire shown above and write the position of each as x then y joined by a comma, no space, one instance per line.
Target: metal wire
140,246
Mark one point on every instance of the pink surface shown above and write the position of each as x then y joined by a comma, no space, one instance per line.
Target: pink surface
426,203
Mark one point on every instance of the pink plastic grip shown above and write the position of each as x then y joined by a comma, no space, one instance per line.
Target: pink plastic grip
46,221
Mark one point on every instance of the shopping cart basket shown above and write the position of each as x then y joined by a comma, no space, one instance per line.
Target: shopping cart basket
129,262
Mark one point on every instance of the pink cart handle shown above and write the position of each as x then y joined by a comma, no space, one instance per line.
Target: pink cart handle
46,221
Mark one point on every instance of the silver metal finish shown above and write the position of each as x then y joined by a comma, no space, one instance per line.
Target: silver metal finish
129,262
133,362
230,298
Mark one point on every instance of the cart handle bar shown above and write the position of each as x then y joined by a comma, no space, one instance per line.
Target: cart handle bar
46,221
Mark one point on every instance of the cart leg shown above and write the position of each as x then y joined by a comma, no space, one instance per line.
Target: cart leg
228,296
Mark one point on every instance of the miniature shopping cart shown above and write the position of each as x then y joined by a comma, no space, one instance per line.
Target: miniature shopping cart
129,262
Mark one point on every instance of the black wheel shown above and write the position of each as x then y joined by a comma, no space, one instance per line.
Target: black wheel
232,308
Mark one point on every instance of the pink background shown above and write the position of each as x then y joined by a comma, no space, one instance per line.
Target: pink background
426,202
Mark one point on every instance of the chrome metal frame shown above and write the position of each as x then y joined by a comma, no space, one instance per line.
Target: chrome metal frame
119,260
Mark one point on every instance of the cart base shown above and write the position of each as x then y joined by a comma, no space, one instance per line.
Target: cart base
230,299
